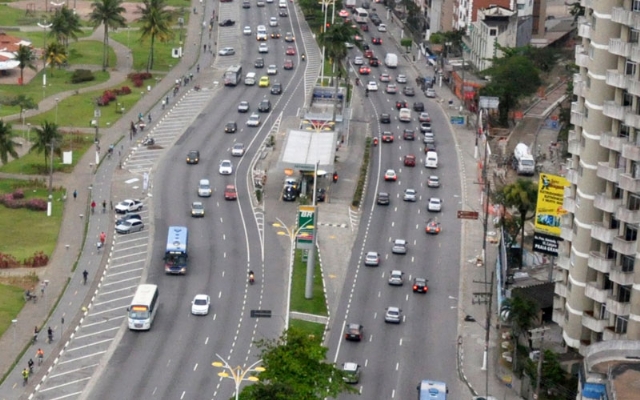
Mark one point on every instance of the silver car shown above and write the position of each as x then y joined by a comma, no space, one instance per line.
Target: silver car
372,259
396,278
399,246
433,181
237,150
393,315
410,195
435,204
227,51
130,226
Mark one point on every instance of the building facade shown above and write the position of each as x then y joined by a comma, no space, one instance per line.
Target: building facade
466,11
495,25
597,290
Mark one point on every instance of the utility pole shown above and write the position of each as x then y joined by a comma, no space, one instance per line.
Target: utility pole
535,333
50,198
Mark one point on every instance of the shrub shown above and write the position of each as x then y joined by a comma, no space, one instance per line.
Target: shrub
36,205
39,259
18,194
82,75
138,82
142,76
8,261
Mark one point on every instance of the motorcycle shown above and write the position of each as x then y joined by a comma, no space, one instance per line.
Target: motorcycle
304,58
375,141
148,141
197,88
252,279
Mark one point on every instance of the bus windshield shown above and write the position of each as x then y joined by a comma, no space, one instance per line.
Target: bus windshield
139,312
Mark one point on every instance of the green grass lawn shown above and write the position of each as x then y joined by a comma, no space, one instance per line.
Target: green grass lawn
33,163
24,232
310,328
11,302
140,50
78,110
316,305
88,52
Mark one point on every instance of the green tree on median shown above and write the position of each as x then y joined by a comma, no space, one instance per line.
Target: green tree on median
295,368
107,13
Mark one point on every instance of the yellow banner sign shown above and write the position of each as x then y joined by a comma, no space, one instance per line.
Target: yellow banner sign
549,207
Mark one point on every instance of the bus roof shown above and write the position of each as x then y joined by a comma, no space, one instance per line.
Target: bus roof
144,295
361,11
234,68
177,239
432,390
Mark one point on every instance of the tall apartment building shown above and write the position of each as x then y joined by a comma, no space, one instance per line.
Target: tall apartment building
597,291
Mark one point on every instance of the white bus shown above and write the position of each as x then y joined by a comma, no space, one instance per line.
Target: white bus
143,308
360,15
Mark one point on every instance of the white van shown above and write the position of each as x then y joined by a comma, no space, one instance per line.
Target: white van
250,79
431,161
404,115
282,4
391,60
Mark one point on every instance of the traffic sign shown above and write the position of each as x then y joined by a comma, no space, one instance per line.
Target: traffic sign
467,214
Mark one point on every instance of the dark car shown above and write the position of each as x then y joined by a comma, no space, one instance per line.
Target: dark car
374,62
276,88
123,218
264,106
230,127
321,194
354,332
418,106
193,157
227,22
383,199
259,63
246,4
385,118
364,27
401,104
410,160
420,285
408,134
283,13
275,34
387,137
289,194
409,91
429,147
376,40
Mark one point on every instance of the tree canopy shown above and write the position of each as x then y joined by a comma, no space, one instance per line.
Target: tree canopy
521,195
295,368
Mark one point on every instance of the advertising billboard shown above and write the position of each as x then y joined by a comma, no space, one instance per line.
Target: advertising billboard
549,207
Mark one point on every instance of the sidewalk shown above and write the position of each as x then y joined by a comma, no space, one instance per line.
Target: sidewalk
73,254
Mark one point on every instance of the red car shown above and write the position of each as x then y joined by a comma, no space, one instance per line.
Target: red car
376,40
368,53
230,193
288,64
401,104
291,51
410,160
387,137
364,70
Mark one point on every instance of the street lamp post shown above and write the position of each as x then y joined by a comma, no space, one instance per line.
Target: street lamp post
28,131
292,234
57,101
238,374
44,27
50,201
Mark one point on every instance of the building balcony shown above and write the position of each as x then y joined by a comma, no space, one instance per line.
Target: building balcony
621,277
629,216
616,79
626,247
605,202
558,317
584,30
576,119
600,262
572,176
575,147
619,47
604,171
560,289
593,291
610,334
633,86
603,233
566,232
558,303
629,183
631,151
593,323
618,308
582,59
623,16
563,262
631,119
573,135
569,204
614,110
635,53
610,141
580,88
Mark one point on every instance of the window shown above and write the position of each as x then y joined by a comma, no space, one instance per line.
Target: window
621,324
614,223
624,294
588,81
617,192
608,285
627,98
493,32
633,203
610,252
634,35
624,130
630,232
635,169
603,314
635,5
630,68
626,263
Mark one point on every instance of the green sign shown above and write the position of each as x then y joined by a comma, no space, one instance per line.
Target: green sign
457,120
306,227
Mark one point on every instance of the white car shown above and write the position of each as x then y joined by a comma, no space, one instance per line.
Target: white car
204,188
237,150
433,181
410,195
348,45
372,86
430,93
272,70
227,51
247,30
401,78
243,107
273,21
263,48
358,61
254,120
382,28
200,304
226,167
372,259
435,204
396,278
126,206
393,315
130,226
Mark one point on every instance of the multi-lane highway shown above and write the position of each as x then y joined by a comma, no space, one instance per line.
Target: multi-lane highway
173,360
394,358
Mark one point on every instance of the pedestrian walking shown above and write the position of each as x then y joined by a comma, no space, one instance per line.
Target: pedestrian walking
167,100
85,274
190,76
104,206
40,356
25,377
163,104
111,201
149,117
103,237
93,207
198,68
75,194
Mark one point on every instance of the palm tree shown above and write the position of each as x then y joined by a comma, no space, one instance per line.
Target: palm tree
335,40
64,25
25,56
46,136
521,313
521,195
7,145
109,14
56,55
156,24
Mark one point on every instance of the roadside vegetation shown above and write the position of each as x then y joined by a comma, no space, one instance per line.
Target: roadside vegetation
317,305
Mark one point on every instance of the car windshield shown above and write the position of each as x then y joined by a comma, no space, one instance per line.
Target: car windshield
200,302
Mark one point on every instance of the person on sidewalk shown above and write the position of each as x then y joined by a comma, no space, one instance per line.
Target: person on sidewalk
93,207
75,194
104,206
25,377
